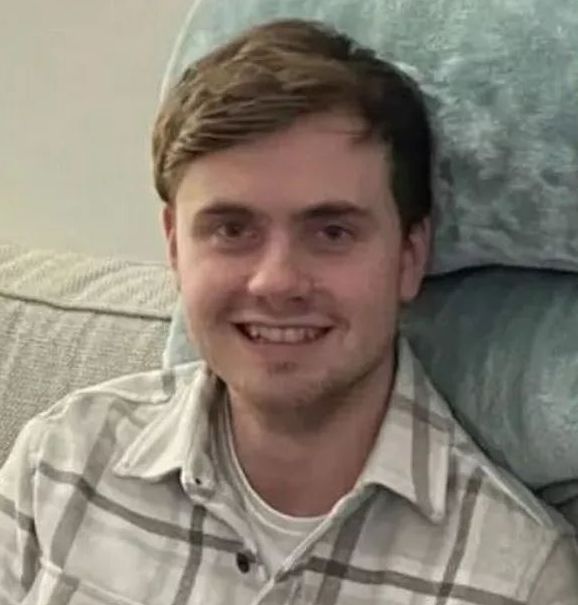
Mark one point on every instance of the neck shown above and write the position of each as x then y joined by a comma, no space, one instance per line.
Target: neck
303,472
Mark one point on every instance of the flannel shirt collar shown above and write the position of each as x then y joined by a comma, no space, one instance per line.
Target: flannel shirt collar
178,439
410,457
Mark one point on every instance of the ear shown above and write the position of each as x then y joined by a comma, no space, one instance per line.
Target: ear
169,220
414,259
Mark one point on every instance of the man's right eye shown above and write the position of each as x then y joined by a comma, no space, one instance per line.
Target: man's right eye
235,234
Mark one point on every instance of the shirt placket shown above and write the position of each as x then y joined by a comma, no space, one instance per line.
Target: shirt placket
286,587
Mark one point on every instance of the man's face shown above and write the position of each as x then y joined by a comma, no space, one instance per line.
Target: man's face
291,263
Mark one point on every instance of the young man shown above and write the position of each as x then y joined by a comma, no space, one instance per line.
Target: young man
307,459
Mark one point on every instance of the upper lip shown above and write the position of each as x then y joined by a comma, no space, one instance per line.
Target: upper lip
297,323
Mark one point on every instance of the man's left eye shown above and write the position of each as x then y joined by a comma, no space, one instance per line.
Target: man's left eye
336,233
232,230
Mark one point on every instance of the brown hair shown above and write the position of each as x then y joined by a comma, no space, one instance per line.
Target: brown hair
266,78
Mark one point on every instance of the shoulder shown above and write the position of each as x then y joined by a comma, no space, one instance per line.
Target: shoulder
114,411
512,530
507,532
137,395
472,474
501,491
500,523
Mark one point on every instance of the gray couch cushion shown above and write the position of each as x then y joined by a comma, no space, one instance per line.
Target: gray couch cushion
68,321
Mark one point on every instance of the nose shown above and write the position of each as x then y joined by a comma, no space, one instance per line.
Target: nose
280,273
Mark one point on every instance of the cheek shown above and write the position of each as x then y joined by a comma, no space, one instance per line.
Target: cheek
371,302
207,291
368,284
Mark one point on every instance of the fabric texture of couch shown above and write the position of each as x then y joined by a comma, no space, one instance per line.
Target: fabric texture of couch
68,321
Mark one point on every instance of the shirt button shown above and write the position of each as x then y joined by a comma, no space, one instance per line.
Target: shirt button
243,562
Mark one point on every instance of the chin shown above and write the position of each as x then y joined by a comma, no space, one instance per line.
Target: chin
286,386
278,384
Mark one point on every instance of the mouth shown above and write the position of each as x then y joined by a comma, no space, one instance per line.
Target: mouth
282,335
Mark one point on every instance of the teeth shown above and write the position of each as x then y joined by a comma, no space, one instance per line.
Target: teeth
282,335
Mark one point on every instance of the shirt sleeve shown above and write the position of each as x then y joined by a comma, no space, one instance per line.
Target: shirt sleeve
557,583
19,550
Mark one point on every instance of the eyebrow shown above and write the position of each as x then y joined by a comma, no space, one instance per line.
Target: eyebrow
223,207
334,209
329,209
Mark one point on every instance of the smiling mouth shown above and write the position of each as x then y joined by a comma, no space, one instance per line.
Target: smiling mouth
291,335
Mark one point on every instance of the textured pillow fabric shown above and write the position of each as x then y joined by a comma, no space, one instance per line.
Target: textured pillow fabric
501,78
564,497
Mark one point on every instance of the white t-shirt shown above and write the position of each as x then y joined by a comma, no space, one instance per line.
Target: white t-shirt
277,535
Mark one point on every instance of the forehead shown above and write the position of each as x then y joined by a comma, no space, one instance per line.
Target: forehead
320,157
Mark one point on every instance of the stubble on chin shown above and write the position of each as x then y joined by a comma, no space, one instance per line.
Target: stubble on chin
286,402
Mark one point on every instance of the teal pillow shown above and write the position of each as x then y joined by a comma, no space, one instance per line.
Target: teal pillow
501,78
178,348
501,345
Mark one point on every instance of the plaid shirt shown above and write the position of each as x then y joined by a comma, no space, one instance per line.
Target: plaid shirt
112,497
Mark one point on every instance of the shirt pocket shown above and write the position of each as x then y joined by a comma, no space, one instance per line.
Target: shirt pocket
52,586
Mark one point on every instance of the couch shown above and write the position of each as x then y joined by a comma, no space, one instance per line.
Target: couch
68,321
